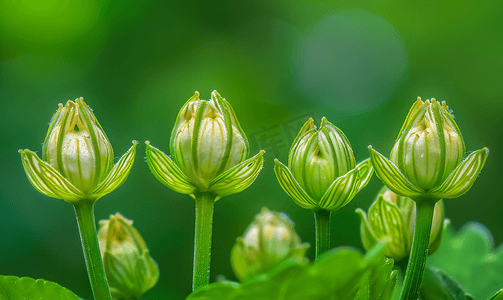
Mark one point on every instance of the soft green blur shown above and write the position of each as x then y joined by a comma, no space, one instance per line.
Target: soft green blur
277,62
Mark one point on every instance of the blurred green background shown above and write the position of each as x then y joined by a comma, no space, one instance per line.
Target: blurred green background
359,63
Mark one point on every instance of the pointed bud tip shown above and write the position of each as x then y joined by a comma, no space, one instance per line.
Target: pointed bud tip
135,142
370,147
361,213
262,152
147,143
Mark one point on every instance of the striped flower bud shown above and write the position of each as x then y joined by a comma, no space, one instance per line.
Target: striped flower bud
319,157
430,145
209,151
392,217
322,173
427,159
269,240
77,157
207,140
77,147
130,270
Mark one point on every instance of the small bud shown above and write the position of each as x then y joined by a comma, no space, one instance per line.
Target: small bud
427,159
269,240
321,172
393,217
209,151
319,157
78,157
130,269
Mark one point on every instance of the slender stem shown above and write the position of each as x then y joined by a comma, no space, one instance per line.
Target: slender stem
322,219
419,252
202,240
95,269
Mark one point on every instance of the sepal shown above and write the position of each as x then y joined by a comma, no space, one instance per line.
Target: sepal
292,187
392,177
368,237
47,180
341,191
366,171
498,295
117,175
463,177
239,177
167,172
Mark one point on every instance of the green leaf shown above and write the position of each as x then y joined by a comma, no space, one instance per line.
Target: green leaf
292,187
469,257
463,177
117,175
392,177
437,285
381,280
15,288
167,172
338,274
239,177
217,290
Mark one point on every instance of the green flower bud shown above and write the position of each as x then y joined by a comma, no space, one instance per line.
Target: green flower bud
392,217
319,157
269,240
78,157
321,169
207,140
130,270
209,151
77,147
430,145
427,159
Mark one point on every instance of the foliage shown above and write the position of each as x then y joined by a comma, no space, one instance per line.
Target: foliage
338,274
12,287
469,257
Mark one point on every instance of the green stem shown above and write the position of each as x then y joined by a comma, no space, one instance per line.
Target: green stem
202,240
92,254
419,251
322,219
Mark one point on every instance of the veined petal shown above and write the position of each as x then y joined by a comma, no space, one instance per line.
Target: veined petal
307,127
292,187
341,192
463,177
167,172
414,110
391,176
239,177
47,180
366,170
117,175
